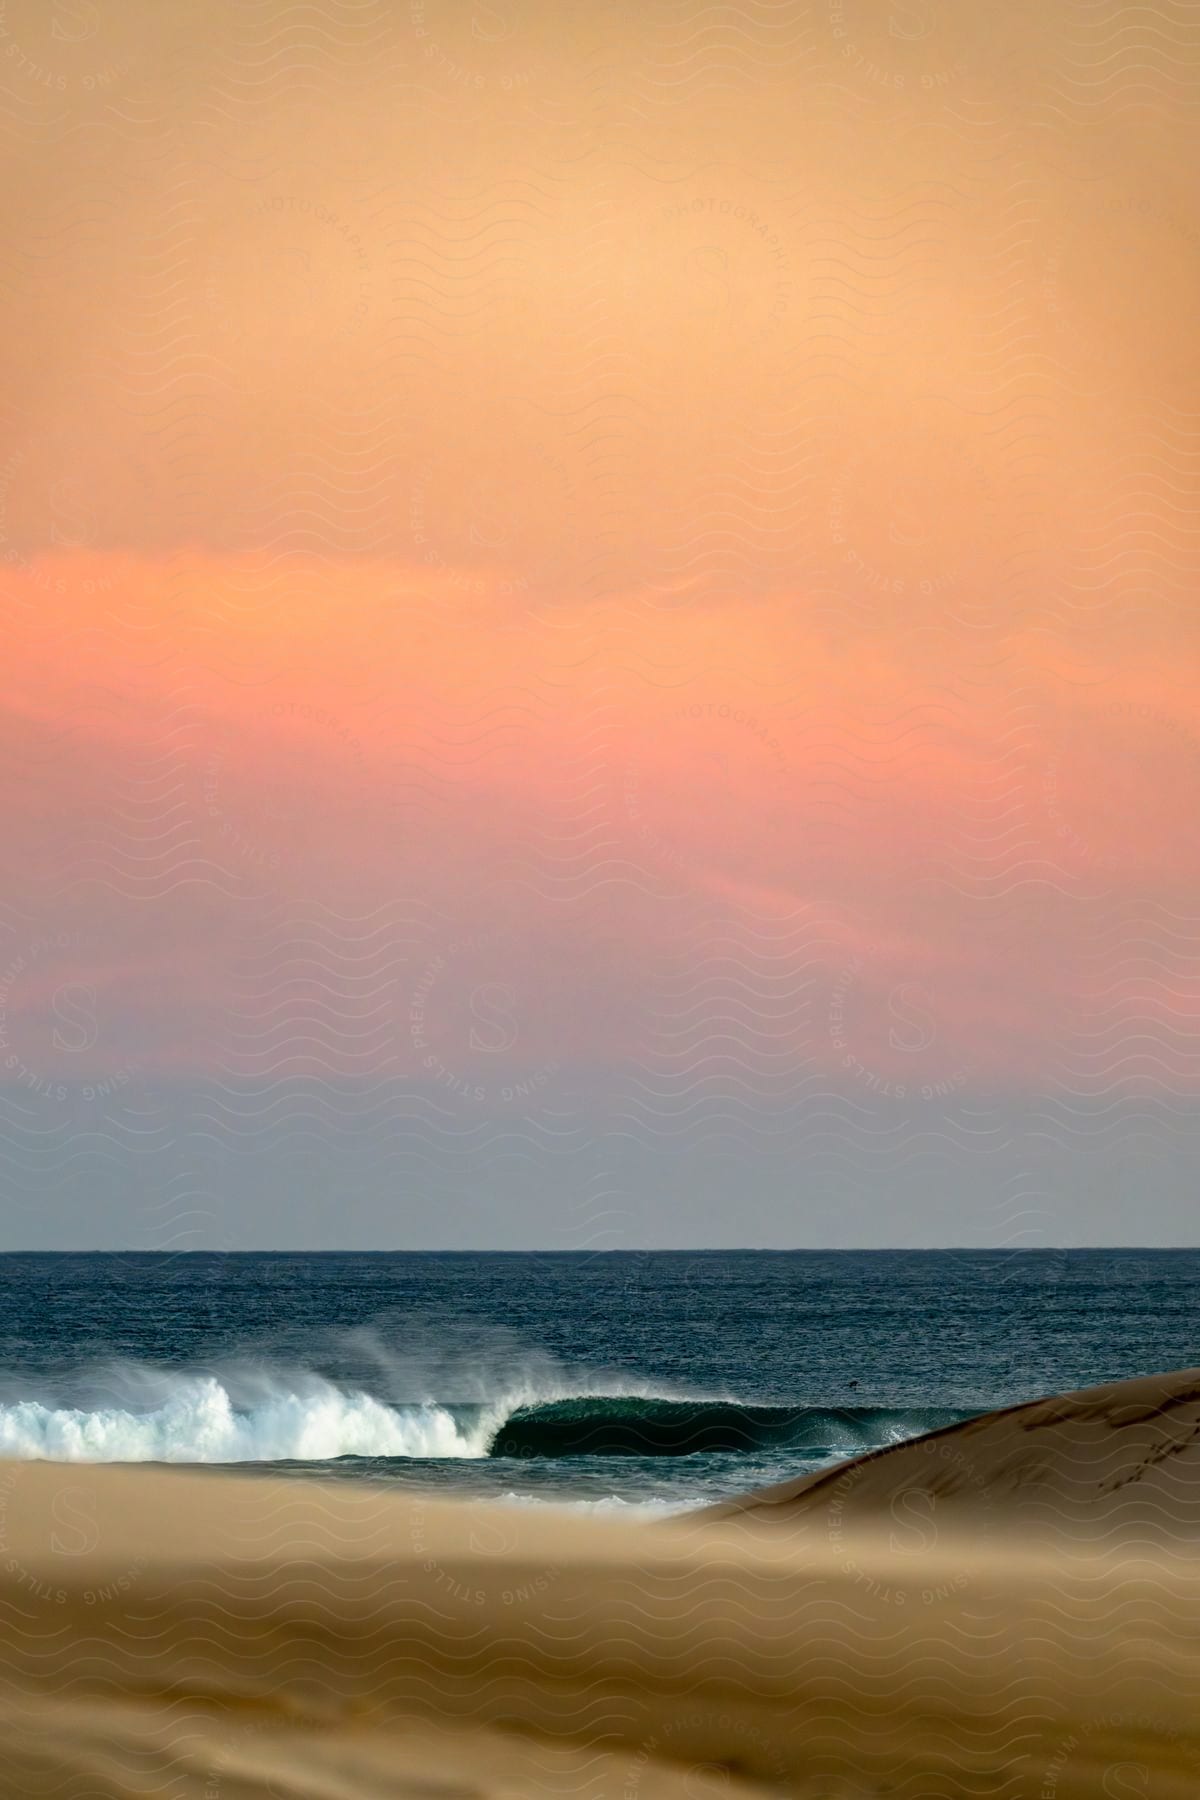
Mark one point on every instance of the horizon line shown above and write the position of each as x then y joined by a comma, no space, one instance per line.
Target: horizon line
638,1250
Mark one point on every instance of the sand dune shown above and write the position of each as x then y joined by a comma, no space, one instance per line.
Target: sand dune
1114,1464
197,1634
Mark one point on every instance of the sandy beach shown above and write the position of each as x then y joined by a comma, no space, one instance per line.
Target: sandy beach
1108,1466
600,943
950,1628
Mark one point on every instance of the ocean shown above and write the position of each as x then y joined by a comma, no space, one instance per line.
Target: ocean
628,1380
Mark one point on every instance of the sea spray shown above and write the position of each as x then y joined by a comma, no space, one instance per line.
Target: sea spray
198,1423
177,1416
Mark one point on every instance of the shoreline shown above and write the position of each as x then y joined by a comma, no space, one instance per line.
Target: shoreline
324,1639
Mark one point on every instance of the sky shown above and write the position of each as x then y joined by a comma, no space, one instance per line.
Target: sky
600,628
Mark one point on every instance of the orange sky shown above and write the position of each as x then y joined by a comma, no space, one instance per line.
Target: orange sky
685,514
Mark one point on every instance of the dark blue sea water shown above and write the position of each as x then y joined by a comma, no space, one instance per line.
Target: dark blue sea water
652,1379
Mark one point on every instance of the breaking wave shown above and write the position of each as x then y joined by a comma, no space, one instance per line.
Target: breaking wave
199,1423
602,1425
201,1418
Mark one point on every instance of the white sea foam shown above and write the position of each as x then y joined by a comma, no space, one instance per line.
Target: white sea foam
618,1505
198,1422
245,1412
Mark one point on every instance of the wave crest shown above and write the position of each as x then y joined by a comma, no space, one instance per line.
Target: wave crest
194,1418
602,1425
199,1423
